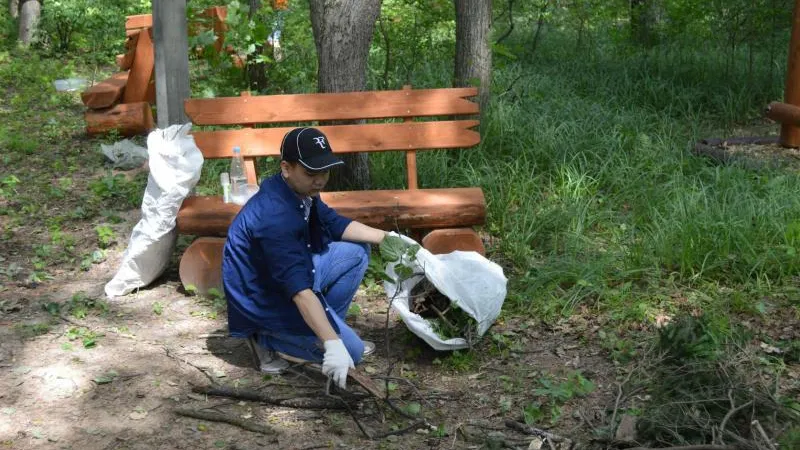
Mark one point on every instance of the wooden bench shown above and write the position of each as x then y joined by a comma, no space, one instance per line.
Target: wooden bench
444,216
124,101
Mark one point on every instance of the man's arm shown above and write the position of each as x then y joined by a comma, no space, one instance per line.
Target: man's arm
314,314
358,232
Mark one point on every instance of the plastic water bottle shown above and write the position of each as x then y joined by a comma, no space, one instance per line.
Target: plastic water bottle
237,175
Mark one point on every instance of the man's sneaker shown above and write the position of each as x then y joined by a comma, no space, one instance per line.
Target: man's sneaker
369,348
266,361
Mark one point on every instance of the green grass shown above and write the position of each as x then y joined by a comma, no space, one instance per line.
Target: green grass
596,198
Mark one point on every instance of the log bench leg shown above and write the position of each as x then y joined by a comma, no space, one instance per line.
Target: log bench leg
201,264
446,240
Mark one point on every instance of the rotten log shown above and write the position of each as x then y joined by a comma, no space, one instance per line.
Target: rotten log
128,118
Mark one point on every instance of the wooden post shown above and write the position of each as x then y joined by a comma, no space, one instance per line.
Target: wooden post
790,134
411,157
171,39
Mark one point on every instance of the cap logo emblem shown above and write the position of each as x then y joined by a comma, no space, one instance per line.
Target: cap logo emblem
320,140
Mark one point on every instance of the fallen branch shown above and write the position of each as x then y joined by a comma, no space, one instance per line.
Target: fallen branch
757,425
219,417
527,429
188,363
728,416
413,426
690,447
242,394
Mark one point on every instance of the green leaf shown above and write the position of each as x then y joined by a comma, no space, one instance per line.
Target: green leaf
413,408
392,248
107,377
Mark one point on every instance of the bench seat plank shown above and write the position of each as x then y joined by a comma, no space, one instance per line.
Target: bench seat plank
105,93
387,209
331,106
347,138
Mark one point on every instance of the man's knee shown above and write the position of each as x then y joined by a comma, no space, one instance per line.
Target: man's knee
354,346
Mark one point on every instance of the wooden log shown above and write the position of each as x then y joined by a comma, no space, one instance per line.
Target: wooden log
128,118
790,134
201,265
448,240
141,72
784,113
105,93
388,210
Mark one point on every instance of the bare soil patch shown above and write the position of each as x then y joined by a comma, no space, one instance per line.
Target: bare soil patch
114,377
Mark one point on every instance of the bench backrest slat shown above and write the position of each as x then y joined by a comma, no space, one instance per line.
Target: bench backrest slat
256,142
138,21
333,106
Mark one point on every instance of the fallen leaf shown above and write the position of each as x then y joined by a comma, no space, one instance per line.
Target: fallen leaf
536,443
370,370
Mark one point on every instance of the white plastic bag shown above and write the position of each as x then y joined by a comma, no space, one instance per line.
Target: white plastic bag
472,282
175,163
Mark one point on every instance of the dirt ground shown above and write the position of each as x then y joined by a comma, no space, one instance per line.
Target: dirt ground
113,378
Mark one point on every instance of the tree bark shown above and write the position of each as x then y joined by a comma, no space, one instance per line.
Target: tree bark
473,55
29,12
256,71
643,21
343,32
13,8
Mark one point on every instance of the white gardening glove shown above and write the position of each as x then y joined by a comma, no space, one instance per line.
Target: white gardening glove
336,362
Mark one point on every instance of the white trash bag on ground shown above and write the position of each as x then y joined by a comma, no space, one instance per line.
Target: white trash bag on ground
469,280
175,163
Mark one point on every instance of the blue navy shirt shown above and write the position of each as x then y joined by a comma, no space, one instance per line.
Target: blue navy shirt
267,257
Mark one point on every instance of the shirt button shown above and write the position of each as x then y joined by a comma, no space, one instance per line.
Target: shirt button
308,245
313,271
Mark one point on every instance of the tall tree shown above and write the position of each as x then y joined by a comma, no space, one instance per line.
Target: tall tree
473,55
644,14
13,8
29,12
343,34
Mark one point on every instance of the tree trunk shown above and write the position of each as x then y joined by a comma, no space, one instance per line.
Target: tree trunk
29,11
473,55
343,32
643,21
256,71
13,8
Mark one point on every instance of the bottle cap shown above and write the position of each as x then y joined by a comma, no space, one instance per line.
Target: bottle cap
237,150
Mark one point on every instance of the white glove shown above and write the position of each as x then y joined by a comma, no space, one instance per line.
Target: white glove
336,362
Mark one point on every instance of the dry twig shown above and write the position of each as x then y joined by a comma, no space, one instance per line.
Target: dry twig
242,394
529,430
219,417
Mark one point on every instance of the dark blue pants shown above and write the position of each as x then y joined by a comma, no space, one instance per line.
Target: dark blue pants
337,274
